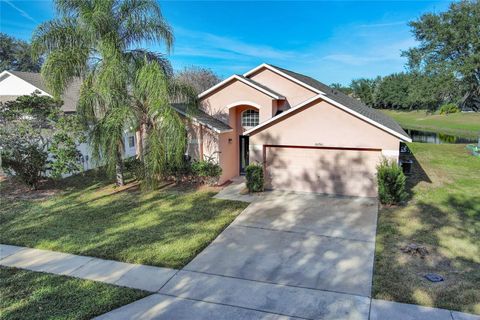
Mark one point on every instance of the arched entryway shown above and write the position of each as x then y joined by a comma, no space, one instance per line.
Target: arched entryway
243,116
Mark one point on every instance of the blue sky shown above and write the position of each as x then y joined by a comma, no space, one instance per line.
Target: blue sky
333,41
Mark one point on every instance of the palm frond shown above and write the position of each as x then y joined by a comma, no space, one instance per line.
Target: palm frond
106,136
142,21
151,84
71,7
91,106
138,57
62,66
166,145
181,92
123,87
59,34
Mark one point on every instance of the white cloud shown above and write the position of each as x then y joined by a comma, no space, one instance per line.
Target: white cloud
351,52
195,43
383,25
21,11
380,52
351,59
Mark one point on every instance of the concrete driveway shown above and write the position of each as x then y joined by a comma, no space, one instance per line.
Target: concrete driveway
286,256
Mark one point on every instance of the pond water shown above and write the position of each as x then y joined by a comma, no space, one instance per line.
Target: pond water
437,138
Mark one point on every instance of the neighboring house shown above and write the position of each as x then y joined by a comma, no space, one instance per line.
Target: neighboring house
308,136
14,84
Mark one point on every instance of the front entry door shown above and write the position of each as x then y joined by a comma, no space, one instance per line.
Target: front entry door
243,153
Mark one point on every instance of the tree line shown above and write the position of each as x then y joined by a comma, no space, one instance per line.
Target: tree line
405,91
444,68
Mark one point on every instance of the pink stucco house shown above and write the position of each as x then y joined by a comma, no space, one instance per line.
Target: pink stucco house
308,136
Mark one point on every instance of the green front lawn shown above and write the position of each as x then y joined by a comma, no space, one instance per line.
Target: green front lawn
443,215
35,295
462,124
164,228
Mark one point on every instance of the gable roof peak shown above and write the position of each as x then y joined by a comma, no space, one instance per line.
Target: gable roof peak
282,72
246,81
34,78
352,105
70,96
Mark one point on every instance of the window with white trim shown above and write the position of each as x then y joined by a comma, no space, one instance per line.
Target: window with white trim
250,118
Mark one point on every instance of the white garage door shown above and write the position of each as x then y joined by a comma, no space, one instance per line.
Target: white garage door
336,171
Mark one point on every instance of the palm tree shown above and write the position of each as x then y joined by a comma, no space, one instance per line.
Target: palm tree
162,132
96,40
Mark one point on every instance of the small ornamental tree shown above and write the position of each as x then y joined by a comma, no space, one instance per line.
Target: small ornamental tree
391,183
200,79
37,138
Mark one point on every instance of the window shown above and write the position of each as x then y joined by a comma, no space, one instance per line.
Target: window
250,118
131,141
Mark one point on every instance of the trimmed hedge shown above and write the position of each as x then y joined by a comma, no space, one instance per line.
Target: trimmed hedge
391,183
254,177
208,171
204,171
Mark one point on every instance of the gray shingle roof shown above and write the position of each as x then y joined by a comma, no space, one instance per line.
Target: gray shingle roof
202,117
347,101
70,96
255,83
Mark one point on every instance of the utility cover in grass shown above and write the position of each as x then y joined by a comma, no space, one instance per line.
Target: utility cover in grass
433,277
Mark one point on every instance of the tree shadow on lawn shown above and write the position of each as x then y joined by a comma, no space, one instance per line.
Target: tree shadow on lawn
449,231
158,228
417,176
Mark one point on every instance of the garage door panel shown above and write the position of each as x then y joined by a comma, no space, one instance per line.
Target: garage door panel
331,171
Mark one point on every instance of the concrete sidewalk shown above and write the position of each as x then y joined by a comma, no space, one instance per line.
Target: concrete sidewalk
161,306
234,192
383,310
130,275
213,297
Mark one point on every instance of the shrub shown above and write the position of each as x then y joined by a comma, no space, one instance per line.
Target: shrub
27,162
135,167
179,171
391,182
449,108
37,139
207,171
254,177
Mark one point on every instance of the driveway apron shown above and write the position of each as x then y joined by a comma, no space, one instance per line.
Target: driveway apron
286,256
